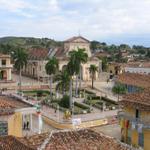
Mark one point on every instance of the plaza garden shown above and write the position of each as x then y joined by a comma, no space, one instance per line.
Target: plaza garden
62,102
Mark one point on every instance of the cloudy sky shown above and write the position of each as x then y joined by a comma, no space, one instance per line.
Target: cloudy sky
112,21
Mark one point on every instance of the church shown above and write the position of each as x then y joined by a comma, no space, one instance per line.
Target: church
38,59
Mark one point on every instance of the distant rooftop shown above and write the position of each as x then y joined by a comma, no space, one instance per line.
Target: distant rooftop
4,55
9,104
75,38
134,79
138,64
64,140
6,108
38,53
137,100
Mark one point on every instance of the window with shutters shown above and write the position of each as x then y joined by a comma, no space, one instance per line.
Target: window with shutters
3,128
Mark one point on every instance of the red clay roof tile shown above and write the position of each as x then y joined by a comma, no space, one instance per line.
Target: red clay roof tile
74,140
140,99
134,79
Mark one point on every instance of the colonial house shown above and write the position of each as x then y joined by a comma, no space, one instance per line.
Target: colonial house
138,67
39,57
135,119
114,69
14,113
5,68
134,82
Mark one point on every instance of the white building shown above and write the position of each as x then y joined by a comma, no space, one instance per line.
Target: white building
38,59
138,67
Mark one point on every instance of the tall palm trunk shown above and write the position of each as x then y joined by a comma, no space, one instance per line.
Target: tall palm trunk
80,73
70,92
92,81
76,92
51,81
63,90
20,81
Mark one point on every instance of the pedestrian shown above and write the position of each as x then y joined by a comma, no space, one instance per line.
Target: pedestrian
24,125
28,122
27,125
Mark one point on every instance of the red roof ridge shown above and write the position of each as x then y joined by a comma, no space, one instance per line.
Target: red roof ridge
74,38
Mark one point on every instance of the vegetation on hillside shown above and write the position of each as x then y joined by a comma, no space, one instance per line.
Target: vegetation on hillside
137,49
9,44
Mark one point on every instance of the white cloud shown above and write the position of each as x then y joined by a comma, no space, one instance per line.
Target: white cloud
13,5
94,18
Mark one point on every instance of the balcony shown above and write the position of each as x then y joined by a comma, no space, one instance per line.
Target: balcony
144,120
6,66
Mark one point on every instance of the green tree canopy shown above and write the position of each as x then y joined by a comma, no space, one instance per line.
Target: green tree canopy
62,79
52,66
20,58
119,89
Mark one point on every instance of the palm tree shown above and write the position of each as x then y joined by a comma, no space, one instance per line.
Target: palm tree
78,57
71,71
51,69
20,60
63,80
119,89
93,69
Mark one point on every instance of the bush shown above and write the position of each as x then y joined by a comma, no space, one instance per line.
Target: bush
109,100
81,105
64,102
39,93
93,97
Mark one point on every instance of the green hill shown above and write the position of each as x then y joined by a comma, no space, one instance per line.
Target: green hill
7,44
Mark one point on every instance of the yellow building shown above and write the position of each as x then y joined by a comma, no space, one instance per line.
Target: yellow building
115,68
13,113
5,68
135,119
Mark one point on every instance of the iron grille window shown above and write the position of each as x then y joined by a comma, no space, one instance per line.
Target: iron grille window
3,128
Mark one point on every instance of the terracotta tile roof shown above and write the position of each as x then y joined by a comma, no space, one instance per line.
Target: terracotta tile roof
67,140
140,100
4,55
139,80
37,54
102,54
145,64
93,58
83,140
13,102
12,143
34,141
6,108
60,52
75,38
9,104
